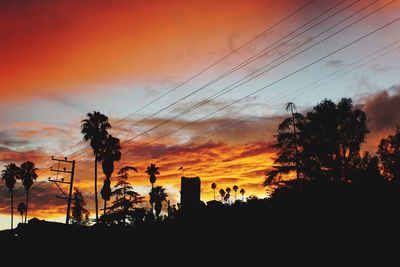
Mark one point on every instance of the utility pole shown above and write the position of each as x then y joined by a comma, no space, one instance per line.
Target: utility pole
58,181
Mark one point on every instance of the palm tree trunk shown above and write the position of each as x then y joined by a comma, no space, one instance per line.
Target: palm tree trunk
27,204
152,204
95,190
214,194
295,144
12,208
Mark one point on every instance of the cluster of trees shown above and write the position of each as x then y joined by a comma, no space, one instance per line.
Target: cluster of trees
226,194
107,150
325,145
26,173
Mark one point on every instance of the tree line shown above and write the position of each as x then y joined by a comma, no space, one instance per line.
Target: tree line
325,145
26,173
319,148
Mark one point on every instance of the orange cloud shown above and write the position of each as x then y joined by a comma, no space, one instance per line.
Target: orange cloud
50,45
383,109
8,155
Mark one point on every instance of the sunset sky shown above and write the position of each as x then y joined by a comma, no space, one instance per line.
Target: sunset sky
61,59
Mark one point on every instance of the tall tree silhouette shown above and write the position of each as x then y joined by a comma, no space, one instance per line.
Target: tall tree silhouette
222,193
94,129
242,191
228,194
28,176
389,155
330,137
286,160
21,208
80,215
10,175
235,189
126,199
214,186
152,171
157,197
110,154
291,107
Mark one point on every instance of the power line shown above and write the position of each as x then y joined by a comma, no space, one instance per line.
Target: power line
337,71
219,60
302,91
247,96
265,87
249,60
246,62
228,89
205,69
358,61
241,65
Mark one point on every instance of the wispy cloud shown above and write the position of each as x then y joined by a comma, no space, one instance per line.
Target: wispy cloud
335,63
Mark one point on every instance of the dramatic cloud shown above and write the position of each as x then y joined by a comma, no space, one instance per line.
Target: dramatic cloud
231,130
8,141
383,111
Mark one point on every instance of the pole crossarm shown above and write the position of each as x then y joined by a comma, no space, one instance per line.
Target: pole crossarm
70,182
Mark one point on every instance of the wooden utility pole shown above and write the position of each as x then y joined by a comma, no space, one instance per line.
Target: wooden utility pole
58,181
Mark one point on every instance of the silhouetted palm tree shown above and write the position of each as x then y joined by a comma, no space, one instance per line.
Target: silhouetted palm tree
235,188
222,193
28,176
94,128
291,107
228,194
21,208
152,171
242,191
157,196
10,175
110,154
226,198
214,186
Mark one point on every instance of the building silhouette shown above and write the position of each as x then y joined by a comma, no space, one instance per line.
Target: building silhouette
190,193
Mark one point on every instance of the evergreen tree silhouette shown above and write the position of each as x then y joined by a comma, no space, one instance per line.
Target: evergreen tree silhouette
80,215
